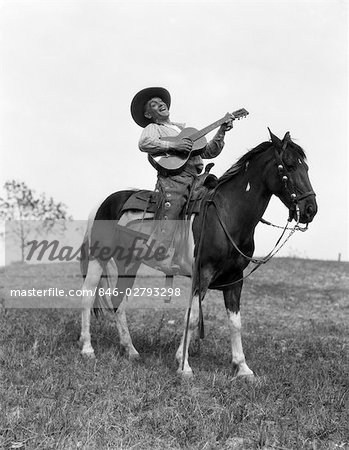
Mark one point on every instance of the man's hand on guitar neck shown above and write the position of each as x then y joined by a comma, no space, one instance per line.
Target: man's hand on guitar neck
227,126
181,146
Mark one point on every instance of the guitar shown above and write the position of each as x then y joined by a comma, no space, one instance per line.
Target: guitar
171,164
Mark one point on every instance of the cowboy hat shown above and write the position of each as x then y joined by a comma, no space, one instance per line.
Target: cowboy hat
141,98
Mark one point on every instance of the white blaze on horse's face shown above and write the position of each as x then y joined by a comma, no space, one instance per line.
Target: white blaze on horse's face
248,187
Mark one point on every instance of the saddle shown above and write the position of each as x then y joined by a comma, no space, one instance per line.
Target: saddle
149,201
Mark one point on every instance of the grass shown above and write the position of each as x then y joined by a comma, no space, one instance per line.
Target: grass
295,334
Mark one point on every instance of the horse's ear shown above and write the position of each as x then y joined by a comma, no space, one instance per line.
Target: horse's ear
286,140
274,139
287,137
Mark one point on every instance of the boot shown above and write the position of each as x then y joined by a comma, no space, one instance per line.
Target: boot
185,267
166,265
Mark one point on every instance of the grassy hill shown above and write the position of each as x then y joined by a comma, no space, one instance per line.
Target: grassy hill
295,333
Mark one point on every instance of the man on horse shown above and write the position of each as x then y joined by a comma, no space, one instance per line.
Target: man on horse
150,109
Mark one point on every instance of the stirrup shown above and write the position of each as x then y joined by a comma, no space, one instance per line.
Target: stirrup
167,265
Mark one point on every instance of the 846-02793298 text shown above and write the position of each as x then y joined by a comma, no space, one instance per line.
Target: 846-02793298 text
142,292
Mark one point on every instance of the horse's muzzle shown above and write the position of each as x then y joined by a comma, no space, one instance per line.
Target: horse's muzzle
308,209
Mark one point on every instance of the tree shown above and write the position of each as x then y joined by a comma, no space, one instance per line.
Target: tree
21,205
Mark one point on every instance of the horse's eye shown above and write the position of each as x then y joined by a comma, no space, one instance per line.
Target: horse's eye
290,163
300,162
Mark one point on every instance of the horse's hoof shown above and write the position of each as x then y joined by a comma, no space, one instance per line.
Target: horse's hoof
133,357
88,354
241,370
130,354
247,377
253,379
185,374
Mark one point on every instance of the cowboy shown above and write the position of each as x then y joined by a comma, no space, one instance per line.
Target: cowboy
150,109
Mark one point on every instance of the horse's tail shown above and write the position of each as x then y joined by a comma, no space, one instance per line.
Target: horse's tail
84,255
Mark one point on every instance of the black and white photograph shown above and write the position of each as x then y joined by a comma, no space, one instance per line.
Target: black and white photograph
174,220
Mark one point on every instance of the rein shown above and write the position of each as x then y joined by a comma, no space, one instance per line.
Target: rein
289,186
258,261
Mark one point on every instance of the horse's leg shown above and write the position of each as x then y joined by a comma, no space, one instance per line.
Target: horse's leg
124,333
232,304
93,276
124,283
185,369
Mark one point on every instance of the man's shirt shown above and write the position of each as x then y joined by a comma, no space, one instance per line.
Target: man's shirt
150,142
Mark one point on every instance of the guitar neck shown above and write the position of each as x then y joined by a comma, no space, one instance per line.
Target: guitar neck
201,133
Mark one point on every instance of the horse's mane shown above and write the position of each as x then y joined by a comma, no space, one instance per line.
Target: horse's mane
240,165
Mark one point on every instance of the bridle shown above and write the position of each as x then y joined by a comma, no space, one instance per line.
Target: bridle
289,185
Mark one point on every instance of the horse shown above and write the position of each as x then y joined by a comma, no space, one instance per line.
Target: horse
223,240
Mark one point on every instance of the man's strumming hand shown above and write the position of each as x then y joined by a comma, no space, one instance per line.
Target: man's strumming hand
182,146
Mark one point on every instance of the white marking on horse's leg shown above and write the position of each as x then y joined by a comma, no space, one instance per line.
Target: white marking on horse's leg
112,274
185,369
185,253
238,357
124,333
120,315
193,322
191,244
91,282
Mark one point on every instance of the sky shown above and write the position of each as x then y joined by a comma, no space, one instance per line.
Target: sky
69,70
